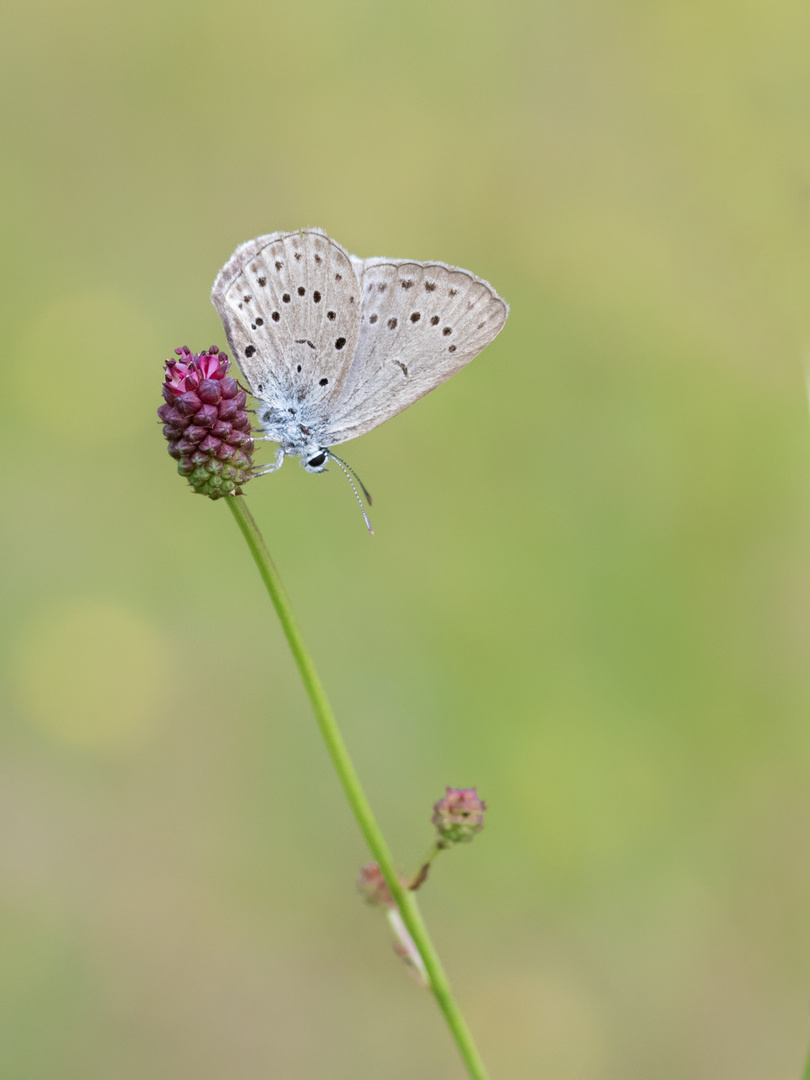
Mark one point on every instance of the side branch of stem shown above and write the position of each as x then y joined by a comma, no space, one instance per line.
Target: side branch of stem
361,808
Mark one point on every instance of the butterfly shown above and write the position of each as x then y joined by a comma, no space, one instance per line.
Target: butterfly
332,345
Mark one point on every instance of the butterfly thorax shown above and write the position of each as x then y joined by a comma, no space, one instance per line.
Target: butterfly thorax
287,426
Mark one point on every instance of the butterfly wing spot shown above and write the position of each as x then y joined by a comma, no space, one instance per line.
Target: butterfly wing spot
316,296
401,365
250,350
453,292
416,316
304,341
260,321
382,286
275,316
480,326
318,258
341,341
331,316
278,264
434,321
373,318
392,324
299,368
323,382
452,348
338,277
407,283
447,331
297,256
301,290
430,286
286,298
247,299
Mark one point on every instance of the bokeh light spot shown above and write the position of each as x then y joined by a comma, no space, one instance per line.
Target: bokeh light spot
92,675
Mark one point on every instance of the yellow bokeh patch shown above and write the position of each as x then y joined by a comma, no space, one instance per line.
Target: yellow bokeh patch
93,675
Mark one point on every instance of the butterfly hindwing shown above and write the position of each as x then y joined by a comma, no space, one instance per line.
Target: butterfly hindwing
420,323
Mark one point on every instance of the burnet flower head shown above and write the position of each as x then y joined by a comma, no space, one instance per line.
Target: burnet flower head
206,423
458,816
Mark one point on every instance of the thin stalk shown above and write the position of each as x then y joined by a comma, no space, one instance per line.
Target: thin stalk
405,901
807,1070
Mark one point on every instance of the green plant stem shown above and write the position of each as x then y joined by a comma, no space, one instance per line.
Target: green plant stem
406,901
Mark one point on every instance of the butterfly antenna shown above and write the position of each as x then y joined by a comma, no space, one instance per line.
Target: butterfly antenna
356,492
346,465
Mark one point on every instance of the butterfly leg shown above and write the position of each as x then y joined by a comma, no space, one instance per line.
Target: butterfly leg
275,466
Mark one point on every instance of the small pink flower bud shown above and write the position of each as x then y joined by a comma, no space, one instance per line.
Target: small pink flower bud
458,816
206,424
372,887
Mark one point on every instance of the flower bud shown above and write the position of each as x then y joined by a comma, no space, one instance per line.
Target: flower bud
458,816
206,424
372,886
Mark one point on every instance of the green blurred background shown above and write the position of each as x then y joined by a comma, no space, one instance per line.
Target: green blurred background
589,591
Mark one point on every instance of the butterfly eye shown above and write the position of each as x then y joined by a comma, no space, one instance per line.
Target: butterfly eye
317,461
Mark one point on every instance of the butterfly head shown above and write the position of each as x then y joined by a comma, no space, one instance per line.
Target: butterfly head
314,459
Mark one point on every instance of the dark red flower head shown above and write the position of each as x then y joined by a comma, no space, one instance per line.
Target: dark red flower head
206,423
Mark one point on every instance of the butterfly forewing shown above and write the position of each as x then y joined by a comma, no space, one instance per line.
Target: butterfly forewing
290,304
420,324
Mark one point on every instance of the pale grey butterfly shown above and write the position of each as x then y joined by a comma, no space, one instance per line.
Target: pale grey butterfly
332,345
